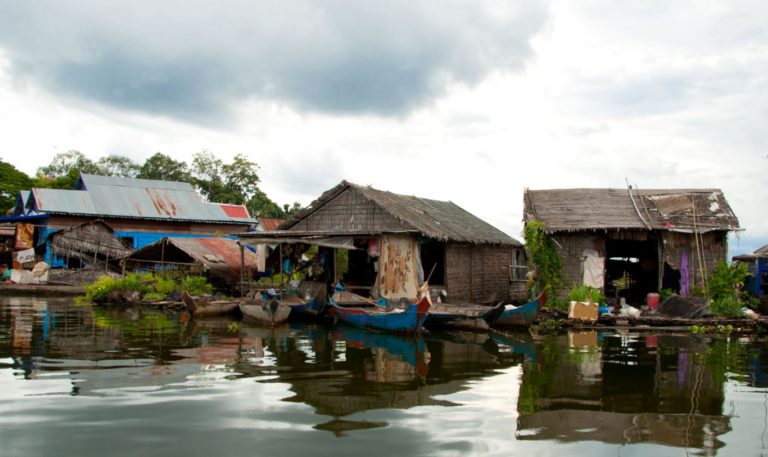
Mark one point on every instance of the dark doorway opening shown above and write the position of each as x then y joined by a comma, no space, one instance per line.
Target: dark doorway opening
632,270
433,256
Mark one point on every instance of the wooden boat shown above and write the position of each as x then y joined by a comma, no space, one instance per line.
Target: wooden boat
206,306
521,316
303,308
270,312
462,317
407,320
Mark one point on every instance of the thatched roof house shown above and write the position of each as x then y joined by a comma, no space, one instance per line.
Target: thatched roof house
632,242
88,242
400,239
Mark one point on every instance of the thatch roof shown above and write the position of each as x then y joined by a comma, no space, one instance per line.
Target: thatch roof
441,220
86,240
217,256
681,210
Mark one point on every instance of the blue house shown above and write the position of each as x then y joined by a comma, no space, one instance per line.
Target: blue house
140,211
757,283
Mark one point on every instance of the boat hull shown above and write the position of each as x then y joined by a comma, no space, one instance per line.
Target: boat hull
271,313
409,320
522,316
204,307
461,317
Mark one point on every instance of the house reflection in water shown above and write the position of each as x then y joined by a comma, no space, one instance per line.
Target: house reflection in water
628,388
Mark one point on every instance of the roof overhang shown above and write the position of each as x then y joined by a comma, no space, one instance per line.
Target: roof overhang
325,238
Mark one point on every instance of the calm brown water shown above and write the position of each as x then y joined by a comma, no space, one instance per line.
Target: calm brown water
80,381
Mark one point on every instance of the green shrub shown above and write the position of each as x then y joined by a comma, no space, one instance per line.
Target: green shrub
726,280
582,293
101,288
725,289
164,286
196,285
153,296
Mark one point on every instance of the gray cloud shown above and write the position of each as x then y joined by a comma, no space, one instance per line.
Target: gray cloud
198,59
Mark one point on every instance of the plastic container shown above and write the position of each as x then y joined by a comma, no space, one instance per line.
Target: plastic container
652,300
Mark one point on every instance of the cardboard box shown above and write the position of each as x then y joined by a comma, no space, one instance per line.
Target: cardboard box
583,310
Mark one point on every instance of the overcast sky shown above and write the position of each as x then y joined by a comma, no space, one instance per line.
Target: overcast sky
469,101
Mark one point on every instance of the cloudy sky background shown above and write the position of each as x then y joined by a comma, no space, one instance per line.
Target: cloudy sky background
468,101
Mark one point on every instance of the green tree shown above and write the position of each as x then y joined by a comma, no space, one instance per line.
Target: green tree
163,167
11,182
64,169
64,162
115,165
207,173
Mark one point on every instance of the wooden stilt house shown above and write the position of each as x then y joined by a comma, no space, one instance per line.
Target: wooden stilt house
632,242
397,241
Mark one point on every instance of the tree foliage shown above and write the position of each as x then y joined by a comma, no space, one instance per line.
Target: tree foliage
164,168
11,182
543,258
115,165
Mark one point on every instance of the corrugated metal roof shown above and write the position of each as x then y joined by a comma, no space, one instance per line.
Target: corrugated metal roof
437,219
220,256
236,211
61,201
86,182
133,198
657,209
270,225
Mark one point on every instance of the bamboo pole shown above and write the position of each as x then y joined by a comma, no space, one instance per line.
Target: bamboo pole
242,270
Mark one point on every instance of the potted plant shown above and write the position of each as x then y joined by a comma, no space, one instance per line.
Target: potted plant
585,302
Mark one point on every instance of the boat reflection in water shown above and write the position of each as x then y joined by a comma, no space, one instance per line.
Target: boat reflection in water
625,388
346,370
593,392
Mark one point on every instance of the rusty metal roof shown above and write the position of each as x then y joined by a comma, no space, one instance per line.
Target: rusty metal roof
219,256
683,210
270,225
104,196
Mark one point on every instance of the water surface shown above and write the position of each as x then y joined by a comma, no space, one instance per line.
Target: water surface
82,381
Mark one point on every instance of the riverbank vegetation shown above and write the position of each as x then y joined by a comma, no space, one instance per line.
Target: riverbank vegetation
145,286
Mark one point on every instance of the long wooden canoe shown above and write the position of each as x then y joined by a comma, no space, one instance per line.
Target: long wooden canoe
521,316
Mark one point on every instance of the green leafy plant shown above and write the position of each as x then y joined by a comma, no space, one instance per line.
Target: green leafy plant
665,294
543,258
196,285
152,296
725,289
582,293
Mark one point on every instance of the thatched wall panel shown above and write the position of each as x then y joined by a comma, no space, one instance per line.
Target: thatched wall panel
350,212
571,247
713,245
473,273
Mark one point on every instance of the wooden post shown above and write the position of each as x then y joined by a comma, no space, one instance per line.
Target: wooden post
242,270
280,246
162,254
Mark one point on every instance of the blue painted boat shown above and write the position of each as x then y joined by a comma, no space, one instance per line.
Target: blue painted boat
522,316
408,320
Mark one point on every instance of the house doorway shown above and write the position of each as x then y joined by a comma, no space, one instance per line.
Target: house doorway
631,270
